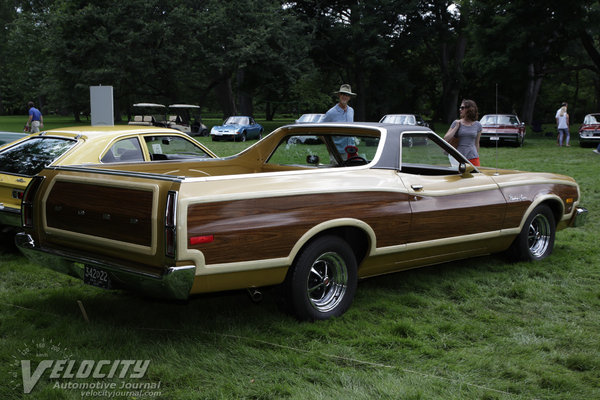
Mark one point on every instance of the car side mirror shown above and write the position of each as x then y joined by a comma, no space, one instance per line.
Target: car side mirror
312,159
465,170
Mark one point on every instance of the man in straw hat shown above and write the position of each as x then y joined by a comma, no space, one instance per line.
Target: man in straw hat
341,112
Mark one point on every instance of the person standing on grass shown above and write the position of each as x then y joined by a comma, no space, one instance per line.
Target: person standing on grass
562,123
341,112
35,121
597,149
468,131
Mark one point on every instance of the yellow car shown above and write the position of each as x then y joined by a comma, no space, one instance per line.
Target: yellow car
24,158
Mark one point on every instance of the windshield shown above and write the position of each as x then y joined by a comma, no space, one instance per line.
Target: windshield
310,118
499,120
237,121
401,119
33,155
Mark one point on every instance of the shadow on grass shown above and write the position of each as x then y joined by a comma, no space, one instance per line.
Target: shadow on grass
223,310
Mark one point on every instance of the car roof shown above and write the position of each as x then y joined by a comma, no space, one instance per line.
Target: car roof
149,105
104,131
491,115
183,106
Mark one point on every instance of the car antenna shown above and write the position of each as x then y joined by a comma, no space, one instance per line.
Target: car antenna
497,137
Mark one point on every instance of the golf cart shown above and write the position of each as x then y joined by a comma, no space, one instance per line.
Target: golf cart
186,118
149,114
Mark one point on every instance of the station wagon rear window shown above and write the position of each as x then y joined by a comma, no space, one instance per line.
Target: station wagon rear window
33,155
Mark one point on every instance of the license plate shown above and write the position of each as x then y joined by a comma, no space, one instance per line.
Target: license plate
494,138
96,277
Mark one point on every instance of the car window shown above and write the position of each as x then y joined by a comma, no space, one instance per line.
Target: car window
237,121
401,119
124,150
324,151
424,155
488,120
172,148
31,156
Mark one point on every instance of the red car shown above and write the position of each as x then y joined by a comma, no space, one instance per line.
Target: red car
589,133
502,128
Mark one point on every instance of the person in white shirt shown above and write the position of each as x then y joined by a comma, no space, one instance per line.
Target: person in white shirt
562,123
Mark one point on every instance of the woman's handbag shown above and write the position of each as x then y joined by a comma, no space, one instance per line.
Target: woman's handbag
453,140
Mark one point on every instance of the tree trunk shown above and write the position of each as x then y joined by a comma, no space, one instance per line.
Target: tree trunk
116,111
361,98
270,111
452,76
534,82
225,97
244,97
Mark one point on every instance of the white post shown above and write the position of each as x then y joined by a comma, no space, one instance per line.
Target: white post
101,105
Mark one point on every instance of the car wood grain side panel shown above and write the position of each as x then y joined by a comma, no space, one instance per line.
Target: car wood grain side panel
111,212
437,217
265,228
520,198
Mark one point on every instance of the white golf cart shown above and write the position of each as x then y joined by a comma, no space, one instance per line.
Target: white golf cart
149,114
186,118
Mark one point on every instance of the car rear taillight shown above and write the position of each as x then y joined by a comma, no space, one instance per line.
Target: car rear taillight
17,194
27,203
171,224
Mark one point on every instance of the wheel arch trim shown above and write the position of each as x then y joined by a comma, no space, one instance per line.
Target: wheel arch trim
555,204
323,227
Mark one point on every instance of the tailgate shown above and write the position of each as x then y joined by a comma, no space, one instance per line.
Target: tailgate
112,215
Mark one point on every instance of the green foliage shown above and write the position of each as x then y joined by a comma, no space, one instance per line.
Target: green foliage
274,57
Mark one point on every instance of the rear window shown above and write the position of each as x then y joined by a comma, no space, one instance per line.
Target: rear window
33,155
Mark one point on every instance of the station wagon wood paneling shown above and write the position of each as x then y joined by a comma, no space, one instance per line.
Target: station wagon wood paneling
110,212
269,227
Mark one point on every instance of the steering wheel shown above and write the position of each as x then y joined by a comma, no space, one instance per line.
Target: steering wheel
355,160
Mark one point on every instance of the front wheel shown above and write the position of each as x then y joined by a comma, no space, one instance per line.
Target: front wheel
323,279
536,240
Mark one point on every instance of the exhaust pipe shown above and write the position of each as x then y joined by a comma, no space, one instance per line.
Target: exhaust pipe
255,295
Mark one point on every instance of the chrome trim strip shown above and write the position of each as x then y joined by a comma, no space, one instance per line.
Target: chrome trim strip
119,173
9,210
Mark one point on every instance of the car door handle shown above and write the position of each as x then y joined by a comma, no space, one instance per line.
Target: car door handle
416,188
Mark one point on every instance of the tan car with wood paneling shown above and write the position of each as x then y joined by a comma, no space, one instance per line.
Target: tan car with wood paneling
312,207
24,158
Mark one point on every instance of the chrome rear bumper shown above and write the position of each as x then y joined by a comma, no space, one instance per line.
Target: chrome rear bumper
173,282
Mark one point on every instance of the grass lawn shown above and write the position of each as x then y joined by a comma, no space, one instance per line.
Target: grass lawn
482,328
